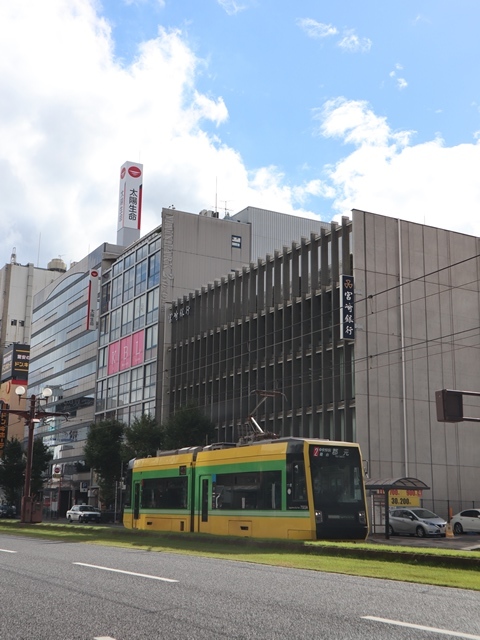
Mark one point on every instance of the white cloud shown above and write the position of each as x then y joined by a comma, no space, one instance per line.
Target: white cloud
71,114
351,42
316,29
231,6
386,174
400,82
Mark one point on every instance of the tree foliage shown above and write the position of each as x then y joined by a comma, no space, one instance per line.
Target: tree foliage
188,427
142,438
12,471
40,460
103,453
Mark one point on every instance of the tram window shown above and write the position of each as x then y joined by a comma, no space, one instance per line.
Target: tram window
164,493
249,490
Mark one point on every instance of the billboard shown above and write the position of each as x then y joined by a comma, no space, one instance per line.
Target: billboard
347,308
3,426
93,286
15,363
130,196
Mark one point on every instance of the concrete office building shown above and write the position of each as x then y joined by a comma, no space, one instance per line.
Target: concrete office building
366,372
18,285
186,251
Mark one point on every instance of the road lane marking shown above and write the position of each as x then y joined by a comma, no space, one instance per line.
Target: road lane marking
128,573
103,638
7,551
420,627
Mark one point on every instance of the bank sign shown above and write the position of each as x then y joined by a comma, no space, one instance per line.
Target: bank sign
347,308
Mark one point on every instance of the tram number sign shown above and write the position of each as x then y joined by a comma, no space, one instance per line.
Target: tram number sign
404,497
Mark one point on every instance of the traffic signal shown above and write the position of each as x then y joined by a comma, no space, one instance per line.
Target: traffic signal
449,405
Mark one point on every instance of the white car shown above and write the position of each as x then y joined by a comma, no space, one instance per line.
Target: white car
466,521
84,513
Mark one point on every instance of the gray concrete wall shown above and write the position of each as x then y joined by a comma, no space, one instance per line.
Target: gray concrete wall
418,307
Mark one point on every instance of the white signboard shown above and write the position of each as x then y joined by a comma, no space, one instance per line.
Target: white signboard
130,196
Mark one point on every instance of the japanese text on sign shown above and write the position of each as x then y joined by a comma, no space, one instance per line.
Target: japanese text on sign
347,308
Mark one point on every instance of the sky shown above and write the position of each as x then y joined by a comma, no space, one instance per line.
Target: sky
311,108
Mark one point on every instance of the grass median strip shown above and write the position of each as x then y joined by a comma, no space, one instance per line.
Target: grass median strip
429,566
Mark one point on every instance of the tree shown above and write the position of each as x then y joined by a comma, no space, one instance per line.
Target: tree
103,453
41,457
12,471
188,427
142,438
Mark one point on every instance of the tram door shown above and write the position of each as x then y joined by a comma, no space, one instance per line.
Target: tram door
204,503
136,504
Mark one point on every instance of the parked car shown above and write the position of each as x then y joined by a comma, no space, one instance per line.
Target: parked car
8,511
84,513
415,521
466,521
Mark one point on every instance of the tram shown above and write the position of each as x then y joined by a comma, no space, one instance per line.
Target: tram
284,488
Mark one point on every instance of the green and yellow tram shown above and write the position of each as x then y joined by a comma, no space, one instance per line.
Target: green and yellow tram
295,488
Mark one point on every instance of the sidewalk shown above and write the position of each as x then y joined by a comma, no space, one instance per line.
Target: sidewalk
465,542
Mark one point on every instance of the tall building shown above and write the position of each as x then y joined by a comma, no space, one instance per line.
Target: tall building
351,331
18,285
64,358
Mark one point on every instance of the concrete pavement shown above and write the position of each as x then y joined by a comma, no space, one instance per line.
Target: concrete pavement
464,542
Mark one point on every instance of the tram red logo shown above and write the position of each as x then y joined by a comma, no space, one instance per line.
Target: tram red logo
122,173
94,274
135,172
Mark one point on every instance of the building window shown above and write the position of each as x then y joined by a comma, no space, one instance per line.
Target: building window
129,260
101,387
112,391
105,299
102,362
116,292
151,342
128,282
150,380
140,277
142,252
136,386
236,242
153,270
152,306
115,324
127,318
123,388
139,312
104,329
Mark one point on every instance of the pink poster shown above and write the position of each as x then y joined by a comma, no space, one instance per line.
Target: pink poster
137,349
113,358
125,353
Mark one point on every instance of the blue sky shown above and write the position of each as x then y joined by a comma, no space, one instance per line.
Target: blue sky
309,107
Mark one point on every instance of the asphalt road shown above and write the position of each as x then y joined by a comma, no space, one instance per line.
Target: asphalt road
73,591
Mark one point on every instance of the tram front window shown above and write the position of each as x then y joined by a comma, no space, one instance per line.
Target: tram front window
336,478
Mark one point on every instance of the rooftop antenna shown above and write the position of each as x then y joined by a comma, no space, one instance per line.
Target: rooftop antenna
39,241
13,257
216,193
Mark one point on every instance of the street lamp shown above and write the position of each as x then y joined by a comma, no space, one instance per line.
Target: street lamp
31,416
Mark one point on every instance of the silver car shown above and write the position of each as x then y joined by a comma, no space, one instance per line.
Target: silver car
415,522
467,520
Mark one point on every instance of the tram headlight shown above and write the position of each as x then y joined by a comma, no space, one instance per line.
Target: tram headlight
318,517
362,517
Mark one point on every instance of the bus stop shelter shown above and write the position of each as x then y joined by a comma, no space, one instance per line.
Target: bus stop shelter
387,484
